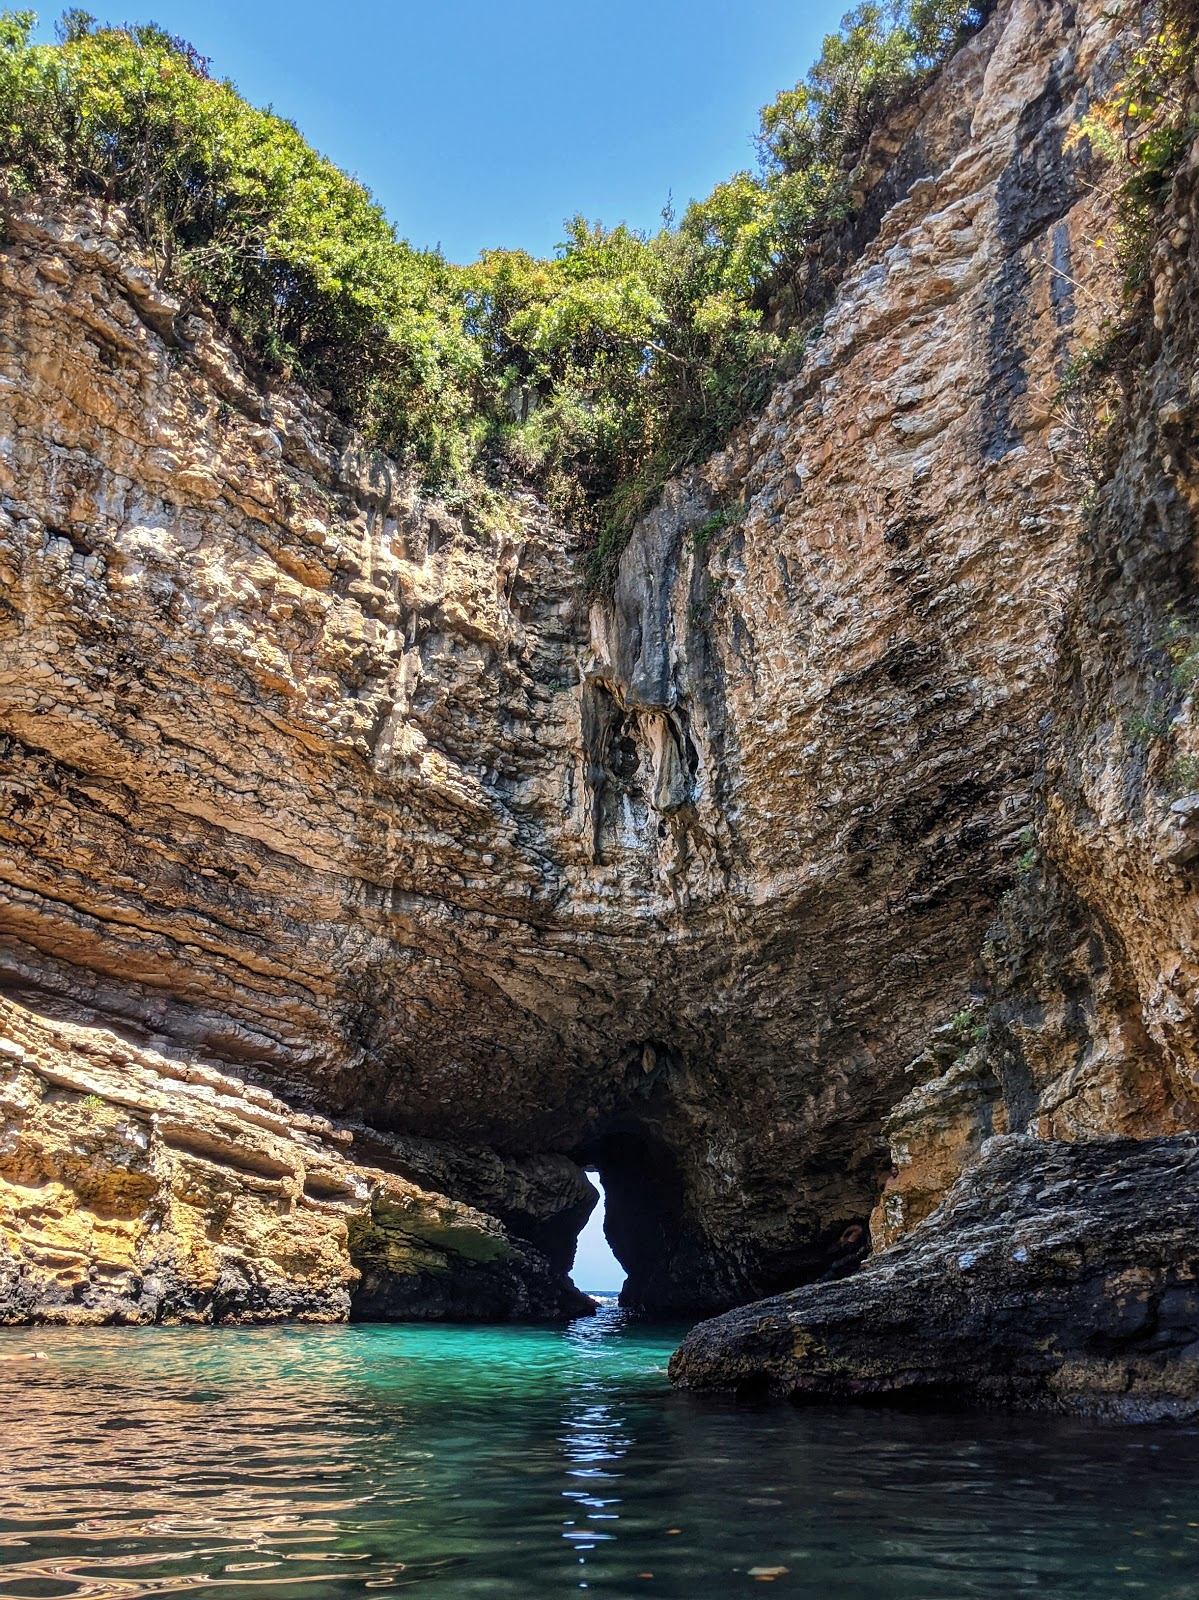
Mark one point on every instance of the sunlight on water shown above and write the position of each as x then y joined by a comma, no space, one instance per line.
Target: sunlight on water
518,1462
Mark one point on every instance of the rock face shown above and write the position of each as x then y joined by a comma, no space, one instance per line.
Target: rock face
1083,1024
138,1187
356,797
1058,1275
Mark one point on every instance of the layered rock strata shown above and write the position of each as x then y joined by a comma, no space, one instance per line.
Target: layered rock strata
1060,1276
1087,1023
1083,1025
136,1187
354,795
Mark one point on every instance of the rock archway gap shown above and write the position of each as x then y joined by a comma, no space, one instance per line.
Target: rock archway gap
596,1269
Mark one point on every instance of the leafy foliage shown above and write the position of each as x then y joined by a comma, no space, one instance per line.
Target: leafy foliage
630,356
592,376
1140,131
1182,776
237,210
970,1027
1137,136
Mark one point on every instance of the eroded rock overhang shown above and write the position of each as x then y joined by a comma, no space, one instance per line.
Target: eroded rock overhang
363,801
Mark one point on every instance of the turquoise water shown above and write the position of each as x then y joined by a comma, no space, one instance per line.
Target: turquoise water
518,1463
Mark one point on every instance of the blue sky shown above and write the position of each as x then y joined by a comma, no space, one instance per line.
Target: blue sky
595,1266
479,122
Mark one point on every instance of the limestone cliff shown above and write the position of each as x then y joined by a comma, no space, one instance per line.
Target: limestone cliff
357,797
1049,1256
136,1186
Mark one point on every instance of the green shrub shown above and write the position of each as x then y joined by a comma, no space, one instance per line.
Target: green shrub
1182,776
719,522
237,210
1136,135
1180,642
592,376
970,1026
1139,133
1030,854
1143,726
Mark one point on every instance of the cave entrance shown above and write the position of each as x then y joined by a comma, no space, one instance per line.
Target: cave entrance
654,1234
596,1269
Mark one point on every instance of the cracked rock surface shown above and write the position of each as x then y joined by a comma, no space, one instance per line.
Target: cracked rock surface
356,798
139,1187
1059,1276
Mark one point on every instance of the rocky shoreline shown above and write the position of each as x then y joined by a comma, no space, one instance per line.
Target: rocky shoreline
1053,1276
137,1186
365,880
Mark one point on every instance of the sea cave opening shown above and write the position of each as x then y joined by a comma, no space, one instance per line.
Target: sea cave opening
660,1252
597,1270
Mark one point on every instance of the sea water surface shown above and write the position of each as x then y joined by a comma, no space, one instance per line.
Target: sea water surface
520,1463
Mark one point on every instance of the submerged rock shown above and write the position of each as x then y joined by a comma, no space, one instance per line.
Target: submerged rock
1062,1276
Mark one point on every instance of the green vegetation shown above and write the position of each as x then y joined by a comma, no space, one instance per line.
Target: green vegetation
970,1026
237,211
719,522
1137,136
592,376
1180,644
1141,131
1144,726
701,610
1182,776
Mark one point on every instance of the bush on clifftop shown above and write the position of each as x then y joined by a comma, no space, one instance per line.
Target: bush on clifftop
238,211
591,376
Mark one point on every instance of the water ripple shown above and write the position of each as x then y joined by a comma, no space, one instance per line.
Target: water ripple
518,1464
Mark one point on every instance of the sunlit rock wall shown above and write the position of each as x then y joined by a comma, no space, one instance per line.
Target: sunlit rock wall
360,797
138,1186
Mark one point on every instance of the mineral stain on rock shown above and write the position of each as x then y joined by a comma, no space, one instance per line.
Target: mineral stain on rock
365,879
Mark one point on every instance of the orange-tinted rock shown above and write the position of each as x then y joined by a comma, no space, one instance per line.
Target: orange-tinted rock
354,794
138,1186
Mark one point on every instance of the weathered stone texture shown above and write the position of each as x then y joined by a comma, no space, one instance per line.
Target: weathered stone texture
1023,1269
137,1186
855,675
1061,1276
1089,1026
355,795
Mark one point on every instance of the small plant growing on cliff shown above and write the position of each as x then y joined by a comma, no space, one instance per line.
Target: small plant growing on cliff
727,517
1136,136
1182,776
969,1025
701,610
1143,726
1180,643
1089,402
93,1102
1141,130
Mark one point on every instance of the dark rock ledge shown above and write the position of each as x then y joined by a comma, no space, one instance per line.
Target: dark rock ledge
1057,1276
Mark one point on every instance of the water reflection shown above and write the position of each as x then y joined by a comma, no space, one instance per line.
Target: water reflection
529,1463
